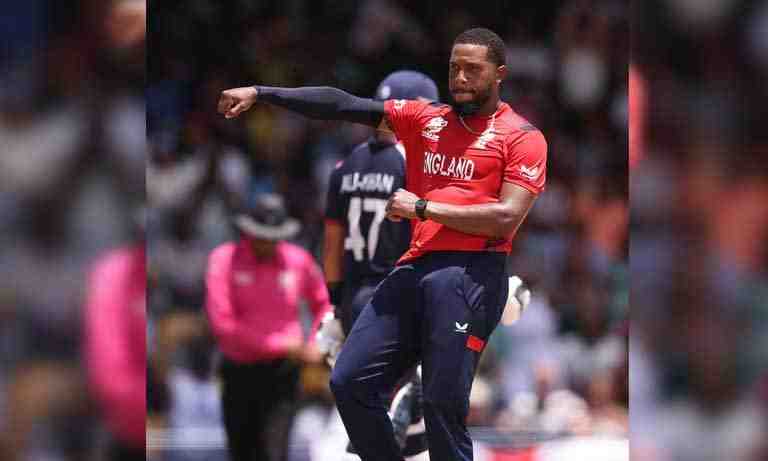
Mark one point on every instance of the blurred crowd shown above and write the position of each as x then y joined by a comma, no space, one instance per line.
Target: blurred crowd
72,131
562,369
699,230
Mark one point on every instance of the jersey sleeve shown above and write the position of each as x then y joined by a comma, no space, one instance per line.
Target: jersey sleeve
403,117
526,162
334,206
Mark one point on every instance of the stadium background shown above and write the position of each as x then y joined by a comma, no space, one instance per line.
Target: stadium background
562,371
72,161
698,255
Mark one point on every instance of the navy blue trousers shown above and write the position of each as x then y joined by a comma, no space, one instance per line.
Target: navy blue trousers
355,299
439,309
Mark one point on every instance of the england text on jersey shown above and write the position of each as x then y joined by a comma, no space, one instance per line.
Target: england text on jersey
449,166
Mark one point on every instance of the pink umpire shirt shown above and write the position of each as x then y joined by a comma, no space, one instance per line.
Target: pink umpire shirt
116,354
253,305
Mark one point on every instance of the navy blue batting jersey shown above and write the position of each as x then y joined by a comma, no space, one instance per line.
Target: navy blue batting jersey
357,197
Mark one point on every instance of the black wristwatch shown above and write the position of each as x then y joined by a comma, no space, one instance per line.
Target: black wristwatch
421,208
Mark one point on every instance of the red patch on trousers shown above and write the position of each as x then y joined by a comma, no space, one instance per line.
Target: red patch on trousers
475,343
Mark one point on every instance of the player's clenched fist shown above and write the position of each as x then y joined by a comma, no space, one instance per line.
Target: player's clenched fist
235,101
402,204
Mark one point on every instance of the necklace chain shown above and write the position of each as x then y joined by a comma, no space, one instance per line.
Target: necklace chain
487,130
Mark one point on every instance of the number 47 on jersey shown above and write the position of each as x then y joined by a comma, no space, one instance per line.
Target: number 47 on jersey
356,242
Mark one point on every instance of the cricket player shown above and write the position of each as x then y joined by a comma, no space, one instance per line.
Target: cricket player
474,169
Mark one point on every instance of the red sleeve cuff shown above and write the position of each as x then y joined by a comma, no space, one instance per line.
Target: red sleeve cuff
526,186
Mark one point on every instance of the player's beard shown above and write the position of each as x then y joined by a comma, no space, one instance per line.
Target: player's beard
467,109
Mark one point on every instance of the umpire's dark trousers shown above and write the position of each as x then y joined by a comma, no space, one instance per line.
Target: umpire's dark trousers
119,451
439,309
258,403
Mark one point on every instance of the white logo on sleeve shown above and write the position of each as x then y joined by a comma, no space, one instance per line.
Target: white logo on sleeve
529,173
399,104
433,128
461,328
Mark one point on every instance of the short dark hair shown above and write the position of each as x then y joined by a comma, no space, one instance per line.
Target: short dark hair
497,51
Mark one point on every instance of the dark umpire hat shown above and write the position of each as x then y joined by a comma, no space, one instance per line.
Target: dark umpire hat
267,219
407,84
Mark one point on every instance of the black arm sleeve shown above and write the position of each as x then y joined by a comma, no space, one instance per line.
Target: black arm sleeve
324,103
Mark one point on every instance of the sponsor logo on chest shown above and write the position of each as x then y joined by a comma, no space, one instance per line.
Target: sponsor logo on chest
432,129
437,164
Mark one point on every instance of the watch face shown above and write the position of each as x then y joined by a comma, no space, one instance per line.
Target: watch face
421,206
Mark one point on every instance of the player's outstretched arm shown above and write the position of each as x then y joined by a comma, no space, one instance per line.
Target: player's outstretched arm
322,103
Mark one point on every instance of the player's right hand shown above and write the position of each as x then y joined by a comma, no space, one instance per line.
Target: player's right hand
235,101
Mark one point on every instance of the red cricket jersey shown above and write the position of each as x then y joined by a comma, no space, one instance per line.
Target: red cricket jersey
447,163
